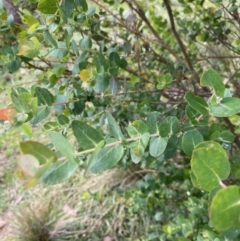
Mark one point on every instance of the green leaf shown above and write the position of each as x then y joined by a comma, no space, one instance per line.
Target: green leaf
228,106
30,20
123,63
59,172
60,103
212,79
41,115
196,103
169,126
114,57
172,145
138,147
14,65
38,150
34,106
75,47
91,11
137,128
99,61
86,136
224,136
152,121
43,169
68,7
29,48
190,140
44,96
83,4
102,82
59,53
63,120
135,159
114,60
62,145
27,129
226,203
113,86
114,128
164,80
210,165
107,158
91,158
22,102
235,120
113,68
50,125
78,107
48,7
192,114
157,145
49,39
85,43
194,180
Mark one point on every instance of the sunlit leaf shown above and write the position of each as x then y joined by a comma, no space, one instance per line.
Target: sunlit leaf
38,150
209,165
226,203
28,164
48,7
85,75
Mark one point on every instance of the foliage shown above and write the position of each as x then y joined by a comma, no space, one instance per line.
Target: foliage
137,85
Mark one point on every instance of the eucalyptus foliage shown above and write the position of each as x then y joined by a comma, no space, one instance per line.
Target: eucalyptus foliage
150,84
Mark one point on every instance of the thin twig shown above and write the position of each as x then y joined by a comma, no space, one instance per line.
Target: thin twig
181,45
141,14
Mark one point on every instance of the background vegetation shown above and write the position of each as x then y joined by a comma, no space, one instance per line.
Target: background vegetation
130,110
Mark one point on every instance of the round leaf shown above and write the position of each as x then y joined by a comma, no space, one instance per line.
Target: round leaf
212,79
225,209
228,106
157,145
85,75
209,165
28,164
191,139
48,7
38,150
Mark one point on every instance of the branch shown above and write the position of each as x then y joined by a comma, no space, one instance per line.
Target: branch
11,9
176,35
115,143
141,13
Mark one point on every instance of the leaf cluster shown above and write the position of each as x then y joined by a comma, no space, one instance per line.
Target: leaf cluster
154,85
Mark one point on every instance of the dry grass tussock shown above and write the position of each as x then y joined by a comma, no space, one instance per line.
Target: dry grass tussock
79,209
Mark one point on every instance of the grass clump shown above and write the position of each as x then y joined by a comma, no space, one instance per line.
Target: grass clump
79,210
42,218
